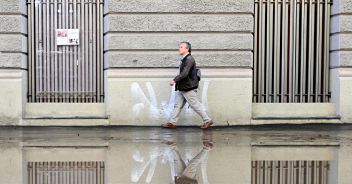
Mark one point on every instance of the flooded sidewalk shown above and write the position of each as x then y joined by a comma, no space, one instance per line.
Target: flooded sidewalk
292,154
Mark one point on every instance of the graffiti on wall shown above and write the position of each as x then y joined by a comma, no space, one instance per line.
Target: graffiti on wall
164,108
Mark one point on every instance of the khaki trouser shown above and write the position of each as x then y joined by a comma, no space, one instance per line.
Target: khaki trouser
191,97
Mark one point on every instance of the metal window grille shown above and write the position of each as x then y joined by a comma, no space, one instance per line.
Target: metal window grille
65,73
66,172
290,172
291,51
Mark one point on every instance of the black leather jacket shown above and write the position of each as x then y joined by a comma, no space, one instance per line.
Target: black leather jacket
187,79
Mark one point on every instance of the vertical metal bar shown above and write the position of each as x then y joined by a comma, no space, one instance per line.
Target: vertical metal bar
55,54
263,46
34,173
284,59
87,172
56,172
91,173
66,56
51,170
70,54
85,168
83,28
29,73
64,52
98,173
326,51
75,59
29,171
47,171
51,51
101,60
75,170
68,173
79,54
255,53
41,172
268,53
317,52
90,50
86,51
253,173
271,56
276,71
94,56
78,173
296,42
291,59
303,39
46,51
94,171
60,55
102,175
99,45
311,50
37,40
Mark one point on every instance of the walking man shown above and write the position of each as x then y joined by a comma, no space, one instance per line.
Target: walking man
186,88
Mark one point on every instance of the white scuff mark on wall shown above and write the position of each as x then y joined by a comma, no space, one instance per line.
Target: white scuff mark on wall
151,102
165,108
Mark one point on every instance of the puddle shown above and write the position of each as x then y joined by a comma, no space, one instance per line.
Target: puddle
240,155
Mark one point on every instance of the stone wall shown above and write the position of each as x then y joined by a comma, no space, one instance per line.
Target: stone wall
146,33
141,42
13,58
340,58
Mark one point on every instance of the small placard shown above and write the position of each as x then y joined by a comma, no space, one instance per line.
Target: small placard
67,36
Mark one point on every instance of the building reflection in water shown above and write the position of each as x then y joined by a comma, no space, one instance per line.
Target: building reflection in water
182,170
186,155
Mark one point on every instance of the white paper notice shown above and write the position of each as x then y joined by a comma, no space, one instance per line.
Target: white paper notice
67,36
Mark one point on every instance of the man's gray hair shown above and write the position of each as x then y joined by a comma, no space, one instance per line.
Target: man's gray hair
188,46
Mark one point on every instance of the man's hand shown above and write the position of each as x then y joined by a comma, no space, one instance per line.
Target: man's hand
172,82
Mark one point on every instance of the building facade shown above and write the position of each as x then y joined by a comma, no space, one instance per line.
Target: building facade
108,62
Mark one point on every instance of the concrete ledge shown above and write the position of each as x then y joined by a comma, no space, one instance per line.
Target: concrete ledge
13,43
341,41
159,59
64,122
294,153
341,23
299,110
169,73
13,60
64,154
345,73
13,7
170,41
341,6
295,121
13,24
64,110
341,58
182,6
176,23
10,74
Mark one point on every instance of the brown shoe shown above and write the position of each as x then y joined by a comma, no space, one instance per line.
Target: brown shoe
169,125
207,124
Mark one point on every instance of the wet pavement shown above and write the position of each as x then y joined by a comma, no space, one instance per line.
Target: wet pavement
285,154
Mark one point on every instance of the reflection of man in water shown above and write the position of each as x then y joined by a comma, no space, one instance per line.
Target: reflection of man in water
187,174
